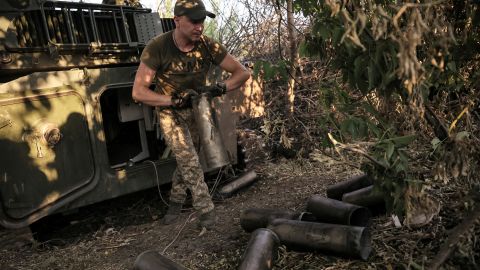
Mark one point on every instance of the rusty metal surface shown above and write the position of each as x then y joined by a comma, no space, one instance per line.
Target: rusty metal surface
338,212
261,250
366,196
240,182
254,218
349,241
227,123
211,142
336,191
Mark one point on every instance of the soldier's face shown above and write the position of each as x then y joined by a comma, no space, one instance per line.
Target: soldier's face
192,29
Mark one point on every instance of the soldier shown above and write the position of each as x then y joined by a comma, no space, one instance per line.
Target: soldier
180,60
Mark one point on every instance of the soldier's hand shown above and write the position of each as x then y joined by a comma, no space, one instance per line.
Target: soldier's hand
216,90
183,99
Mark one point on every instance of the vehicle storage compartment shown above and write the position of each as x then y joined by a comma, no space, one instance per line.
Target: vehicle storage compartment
48,151
131,132
64,146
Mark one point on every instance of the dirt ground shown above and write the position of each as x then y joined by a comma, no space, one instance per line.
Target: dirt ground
112,234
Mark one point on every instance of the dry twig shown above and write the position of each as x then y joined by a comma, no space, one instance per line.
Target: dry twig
451,243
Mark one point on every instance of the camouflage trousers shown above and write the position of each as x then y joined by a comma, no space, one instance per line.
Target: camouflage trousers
181,135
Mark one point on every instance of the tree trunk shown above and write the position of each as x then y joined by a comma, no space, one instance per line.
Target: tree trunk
293,56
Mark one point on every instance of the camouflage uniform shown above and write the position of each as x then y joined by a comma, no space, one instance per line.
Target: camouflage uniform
176,72
181,136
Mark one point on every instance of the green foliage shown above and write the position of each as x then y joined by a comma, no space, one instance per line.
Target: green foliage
374,69
313,47
377,66
355,126
211,28
307,7
391,170
276,71
395,54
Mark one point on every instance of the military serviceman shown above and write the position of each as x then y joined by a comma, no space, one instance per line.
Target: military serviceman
179,60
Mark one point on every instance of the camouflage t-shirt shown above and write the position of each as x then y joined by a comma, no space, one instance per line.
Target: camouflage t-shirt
177,70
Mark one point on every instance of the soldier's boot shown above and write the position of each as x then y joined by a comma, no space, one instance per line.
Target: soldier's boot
173,213
208,220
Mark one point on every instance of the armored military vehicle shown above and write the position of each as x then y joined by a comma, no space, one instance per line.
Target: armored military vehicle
70,133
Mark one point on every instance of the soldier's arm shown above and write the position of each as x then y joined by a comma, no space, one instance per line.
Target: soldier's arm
239,74
141,91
